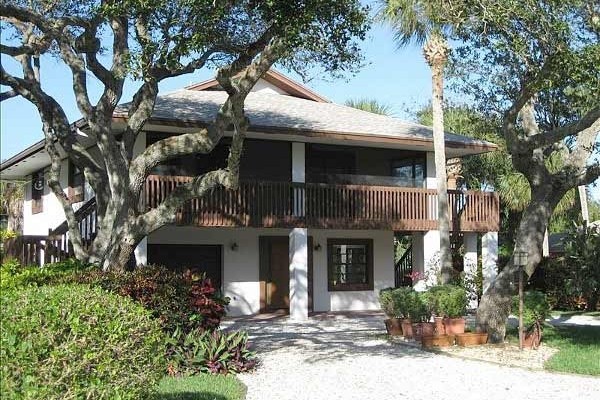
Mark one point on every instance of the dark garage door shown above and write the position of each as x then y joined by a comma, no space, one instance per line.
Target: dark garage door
204,258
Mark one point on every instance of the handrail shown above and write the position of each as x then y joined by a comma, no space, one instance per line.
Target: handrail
86,210
403,269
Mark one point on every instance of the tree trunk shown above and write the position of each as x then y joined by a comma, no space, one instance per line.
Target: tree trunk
435,51
495,305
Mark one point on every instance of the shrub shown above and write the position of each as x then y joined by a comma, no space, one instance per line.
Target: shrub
179,299
535,307
409,304
13,275
447,301
76,341
386,302
215,352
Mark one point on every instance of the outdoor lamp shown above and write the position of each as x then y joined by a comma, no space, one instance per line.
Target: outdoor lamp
520,258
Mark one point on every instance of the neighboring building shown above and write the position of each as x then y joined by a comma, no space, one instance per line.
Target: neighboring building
324,189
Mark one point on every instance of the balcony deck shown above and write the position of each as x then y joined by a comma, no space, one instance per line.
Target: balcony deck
327,206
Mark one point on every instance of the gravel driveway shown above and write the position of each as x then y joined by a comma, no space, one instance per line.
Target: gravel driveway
344,357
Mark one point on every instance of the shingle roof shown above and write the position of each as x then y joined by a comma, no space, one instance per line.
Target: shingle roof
266,110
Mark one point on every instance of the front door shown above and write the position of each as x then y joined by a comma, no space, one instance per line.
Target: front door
275,273
278,282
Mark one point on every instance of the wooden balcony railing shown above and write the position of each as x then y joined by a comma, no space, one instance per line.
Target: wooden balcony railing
315,205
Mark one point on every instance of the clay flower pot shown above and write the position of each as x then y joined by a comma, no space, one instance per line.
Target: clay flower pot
471,339
407,330
437,341
393,327
427,328
454,326
439,326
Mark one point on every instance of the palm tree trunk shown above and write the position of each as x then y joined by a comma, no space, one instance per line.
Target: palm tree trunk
435,51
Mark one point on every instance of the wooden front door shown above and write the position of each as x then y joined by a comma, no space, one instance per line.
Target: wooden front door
275,273
278,282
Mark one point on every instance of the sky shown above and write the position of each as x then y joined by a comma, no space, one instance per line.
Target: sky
399,78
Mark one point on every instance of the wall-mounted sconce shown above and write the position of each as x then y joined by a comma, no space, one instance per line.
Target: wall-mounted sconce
318,247
233,246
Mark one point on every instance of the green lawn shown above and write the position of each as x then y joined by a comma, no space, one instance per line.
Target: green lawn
578,348
202,387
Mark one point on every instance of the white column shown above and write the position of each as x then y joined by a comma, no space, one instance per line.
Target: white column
430,179
298,162
299,274
141,252
431,257
489,257
470,259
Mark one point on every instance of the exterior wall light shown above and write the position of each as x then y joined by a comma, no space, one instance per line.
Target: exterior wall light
233,246
318,247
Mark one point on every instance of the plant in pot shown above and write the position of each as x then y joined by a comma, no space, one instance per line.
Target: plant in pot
535,311
431,299
392,323
404,300
452,305
422,314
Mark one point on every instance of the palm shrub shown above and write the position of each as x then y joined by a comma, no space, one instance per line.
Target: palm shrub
77,341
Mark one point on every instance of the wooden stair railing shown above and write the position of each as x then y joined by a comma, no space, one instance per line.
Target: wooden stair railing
403,269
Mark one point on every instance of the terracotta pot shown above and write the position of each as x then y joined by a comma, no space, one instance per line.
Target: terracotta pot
393,327
471,339
422,329
532,339
437,341
454,326
406,328
439,326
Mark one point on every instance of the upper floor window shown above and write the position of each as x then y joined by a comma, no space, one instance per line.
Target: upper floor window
350,264
37,192
410,171
76,183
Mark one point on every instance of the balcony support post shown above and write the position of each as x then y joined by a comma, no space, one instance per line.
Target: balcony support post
299,274
489,258
470,260
141,252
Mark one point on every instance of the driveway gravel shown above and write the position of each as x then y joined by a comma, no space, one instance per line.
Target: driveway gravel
335,356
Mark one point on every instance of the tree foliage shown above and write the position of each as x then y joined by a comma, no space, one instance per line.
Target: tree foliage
149,41
370,105
534,65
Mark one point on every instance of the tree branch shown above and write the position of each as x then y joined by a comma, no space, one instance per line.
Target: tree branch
555,135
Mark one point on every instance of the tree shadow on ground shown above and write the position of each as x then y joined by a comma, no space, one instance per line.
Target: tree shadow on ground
201,395
324,340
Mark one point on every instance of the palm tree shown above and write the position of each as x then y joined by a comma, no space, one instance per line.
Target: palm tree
370,105
416,21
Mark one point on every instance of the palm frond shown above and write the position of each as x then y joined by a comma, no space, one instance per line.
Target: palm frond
370,105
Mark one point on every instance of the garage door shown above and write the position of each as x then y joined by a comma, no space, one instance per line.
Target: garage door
201,258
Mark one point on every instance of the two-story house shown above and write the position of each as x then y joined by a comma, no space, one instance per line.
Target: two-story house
324,190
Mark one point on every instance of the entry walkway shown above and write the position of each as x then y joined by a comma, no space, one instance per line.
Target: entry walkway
345,356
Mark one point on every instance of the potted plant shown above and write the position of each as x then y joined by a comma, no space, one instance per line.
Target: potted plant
422,314
452,303
431,299
535,311
405,301
392,323
471,339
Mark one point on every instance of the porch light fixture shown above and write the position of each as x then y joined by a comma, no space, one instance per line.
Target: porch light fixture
318,247
233,246
520,261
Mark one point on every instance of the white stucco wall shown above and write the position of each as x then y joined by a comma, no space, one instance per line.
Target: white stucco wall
241,266
383,274
266,87
52,215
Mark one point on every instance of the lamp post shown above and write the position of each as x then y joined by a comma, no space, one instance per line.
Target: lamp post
520,261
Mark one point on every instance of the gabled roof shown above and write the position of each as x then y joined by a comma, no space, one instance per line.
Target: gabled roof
276,79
